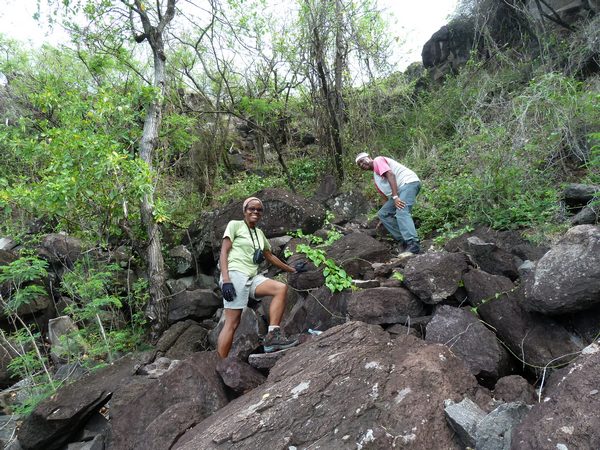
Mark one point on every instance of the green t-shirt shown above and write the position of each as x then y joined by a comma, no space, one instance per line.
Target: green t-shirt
242,250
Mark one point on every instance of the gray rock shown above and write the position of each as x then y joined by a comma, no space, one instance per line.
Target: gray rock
464,417
247,338
7,244
588,215
482,286
356,252
514,388
567,278
536,339
494,432
184,261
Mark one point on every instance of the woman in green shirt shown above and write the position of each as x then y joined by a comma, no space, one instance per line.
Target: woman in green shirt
244,247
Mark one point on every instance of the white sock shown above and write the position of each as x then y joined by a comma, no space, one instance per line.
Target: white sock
272,327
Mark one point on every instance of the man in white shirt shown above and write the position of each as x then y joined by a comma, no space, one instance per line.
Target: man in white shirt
400,186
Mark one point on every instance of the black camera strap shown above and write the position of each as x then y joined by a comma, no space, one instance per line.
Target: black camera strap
251,237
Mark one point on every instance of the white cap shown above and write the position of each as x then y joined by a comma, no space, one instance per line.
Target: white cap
361,156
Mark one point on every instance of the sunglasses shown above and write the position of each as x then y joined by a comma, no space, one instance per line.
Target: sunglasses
254,210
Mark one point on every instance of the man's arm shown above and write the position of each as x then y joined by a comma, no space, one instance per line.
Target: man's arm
389,175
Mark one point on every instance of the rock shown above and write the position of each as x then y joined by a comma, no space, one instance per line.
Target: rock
494,432
266,361
311,279
59,249
471,341
588,215
347,206
239,376
567,278
514,388
7,244
57,418
8,427
319,310
567,414
492,258
448,49
327,189
578,195
482,286
433,277
384,306
184,261
356,252
284,211
247,336
464,417
62,334
535,339
158,367
197,305
142,404
350,387
398,330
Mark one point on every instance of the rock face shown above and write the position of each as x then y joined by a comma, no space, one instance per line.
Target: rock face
567,278
567,416
351,387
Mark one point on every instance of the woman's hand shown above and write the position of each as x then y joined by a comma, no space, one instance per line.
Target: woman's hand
228,292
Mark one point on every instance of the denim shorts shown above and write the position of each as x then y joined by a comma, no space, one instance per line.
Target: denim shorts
245,287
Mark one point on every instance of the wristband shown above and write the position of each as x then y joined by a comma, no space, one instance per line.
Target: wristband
394,197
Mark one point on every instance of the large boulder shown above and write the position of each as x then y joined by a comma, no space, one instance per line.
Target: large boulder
319,310
284,211
482,286
537,340
143,404
567,278
351,387
470,340
60,249
55,420
356,252
193,304
567,417
435,276
247,337
384,305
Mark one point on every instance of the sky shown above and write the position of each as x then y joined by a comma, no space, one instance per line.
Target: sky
413,22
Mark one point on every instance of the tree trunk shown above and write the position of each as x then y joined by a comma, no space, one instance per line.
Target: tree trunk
158,305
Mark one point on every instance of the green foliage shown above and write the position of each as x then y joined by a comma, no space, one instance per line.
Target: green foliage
336,278
306,172
245,185
99,309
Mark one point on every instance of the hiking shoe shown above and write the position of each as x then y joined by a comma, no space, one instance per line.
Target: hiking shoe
275,340
413,247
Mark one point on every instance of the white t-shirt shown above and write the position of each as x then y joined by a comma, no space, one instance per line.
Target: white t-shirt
402,173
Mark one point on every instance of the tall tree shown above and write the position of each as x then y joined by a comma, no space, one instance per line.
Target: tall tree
340,39
144,23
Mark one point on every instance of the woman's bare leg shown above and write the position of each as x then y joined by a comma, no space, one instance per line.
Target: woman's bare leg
278,291
225,340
